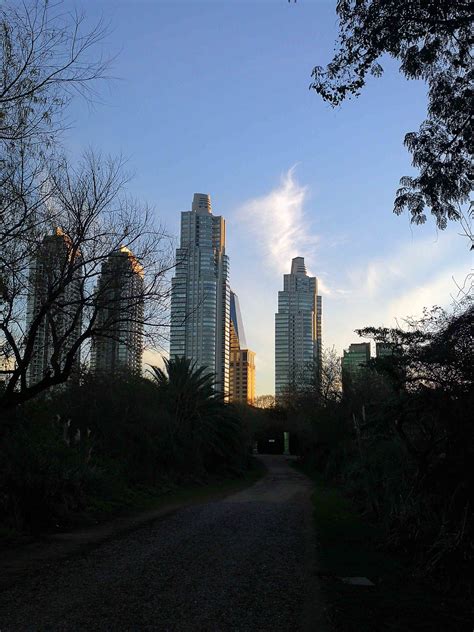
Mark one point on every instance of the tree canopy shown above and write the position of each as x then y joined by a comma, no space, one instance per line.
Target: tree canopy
432,41
47,55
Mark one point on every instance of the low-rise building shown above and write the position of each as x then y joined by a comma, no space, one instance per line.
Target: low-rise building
242,359
353,361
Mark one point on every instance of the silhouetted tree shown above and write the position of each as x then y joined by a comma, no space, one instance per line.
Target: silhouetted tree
432,40
265,401
431,368
206,432
189,390
47,55
44,61
88,206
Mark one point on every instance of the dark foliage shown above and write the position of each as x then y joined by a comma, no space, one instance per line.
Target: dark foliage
401,441
100,439
43,480
206,432
432,40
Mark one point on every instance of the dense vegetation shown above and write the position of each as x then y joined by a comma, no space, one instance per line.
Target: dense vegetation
399,440
99,441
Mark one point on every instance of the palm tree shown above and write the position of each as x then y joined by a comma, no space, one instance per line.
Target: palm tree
203,423
188,390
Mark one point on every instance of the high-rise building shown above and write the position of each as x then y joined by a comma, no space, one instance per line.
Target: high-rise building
200,295
319,332
298,329
242,359
384,350
117,345
60,326
354,360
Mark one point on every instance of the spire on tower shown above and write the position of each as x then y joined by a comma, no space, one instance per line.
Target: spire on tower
201,203
298,267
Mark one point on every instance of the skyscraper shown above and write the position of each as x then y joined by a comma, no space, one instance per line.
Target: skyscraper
319,331
200,295
298,329
117,345
60,326
242,359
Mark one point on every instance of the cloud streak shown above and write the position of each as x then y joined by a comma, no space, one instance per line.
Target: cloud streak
279,224
387,280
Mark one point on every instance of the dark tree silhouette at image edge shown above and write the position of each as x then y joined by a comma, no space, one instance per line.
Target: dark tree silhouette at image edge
432,39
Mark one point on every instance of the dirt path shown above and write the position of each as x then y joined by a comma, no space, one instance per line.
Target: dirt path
244,563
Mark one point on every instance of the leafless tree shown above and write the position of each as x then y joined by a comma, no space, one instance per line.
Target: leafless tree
46,56
315,383
330,379
87,208
60,222
265,401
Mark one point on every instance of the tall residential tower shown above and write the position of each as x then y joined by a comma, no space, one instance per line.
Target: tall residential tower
60,326
298,329
200,295
117,347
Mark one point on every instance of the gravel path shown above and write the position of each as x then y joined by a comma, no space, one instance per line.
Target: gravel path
244,563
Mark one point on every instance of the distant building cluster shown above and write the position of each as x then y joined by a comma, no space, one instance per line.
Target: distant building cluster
355,359
206,323
117,344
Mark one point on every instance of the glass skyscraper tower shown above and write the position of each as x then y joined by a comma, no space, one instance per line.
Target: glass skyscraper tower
298,329
200,294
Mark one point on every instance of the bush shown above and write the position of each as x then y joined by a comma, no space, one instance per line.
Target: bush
42,479
101,441
401,441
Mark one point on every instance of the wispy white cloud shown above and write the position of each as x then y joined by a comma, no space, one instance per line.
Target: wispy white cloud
442,290
386,290
393,280
279,223
403,267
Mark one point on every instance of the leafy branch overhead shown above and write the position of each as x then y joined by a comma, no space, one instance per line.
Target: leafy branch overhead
432,39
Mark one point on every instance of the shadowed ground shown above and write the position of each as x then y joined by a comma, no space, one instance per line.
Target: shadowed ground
242,563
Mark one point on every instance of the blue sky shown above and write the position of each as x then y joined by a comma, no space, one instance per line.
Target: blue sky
213,97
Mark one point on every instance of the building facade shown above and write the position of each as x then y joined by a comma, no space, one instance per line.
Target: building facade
242,359
200,293
117,345
298,329
353,361
384,350
60,327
